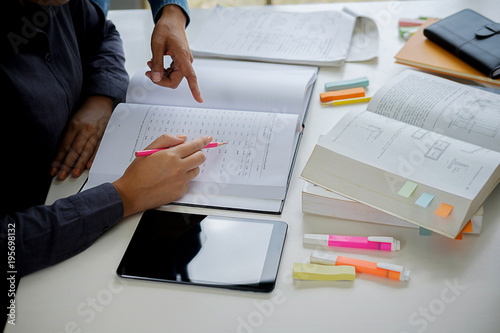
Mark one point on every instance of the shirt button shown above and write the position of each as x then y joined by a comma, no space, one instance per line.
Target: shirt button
48,57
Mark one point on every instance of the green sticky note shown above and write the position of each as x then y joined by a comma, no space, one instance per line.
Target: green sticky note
407,189
425,199
424,232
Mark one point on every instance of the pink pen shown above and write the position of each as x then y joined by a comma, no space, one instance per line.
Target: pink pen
152,151
370,242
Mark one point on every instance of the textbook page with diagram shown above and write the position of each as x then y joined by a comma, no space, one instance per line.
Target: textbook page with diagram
257,109
426,150
320,38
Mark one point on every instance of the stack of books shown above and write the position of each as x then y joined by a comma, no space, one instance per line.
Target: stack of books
425,151
317,200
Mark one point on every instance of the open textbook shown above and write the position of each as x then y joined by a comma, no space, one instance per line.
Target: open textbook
258,109
320,38
426,150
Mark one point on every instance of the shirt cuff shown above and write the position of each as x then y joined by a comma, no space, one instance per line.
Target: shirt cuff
157,5
100,207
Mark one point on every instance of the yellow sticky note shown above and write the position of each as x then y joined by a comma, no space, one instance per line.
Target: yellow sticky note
444,210
315,272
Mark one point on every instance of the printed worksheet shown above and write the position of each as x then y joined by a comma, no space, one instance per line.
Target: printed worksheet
314,37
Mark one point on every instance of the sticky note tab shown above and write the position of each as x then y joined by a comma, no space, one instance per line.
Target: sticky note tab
424,232
444,210
315,272
407,189
425,199
347,84
341,94
468,227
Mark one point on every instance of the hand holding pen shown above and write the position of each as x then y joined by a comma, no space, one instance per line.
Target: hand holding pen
163,177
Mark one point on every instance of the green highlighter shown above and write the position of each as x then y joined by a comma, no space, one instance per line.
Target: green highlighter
347,84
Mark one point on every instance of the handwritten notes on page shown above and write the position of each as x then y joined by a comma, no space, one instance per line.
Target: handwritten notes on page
254,163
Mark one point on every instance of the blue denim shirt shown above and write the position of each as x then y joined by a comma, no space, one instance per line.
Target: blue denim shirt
157,5
52,59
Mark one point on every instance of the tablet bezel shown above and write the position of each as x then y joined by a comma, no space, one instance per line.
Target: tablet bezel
270,268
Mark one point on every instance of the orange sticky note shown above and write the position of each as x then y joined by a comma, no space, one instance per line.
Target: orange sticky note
468,227
444,210
341,94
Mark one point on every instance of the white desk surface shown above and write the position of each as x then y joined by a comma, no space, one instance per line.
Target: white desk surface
453,288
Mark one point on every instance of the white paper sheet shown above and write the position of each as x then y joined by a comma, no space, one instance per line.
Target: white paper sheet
292,37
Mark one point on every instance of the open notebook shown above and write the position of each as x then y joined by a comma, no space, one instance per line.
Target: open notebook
257,108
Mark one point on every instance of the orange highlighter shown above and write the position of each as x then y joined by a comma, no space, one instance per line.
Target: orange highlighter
341,94
391,271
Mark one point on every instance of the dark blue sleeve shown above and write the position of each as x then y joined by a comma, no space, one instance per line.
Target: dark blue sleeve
101,52
157,5
47,235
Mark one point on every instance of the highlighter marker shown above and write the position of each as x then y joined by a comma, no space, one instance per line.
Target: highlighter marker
347,84
347,101
391,271
370,242
341,94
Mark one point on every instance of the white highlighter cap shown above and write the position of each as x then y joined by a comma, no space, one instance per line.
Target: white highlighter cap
316,239
323,258
395,244
404,274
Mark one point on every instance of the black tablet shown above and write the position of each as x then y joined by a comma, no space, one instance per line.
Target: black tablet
232,253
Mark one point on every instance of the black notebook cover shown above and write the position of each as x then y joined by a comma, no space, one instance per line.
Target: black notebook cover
471,37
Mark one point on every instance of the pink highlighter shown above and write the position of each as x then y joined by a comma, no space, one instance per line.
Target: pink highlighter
370,242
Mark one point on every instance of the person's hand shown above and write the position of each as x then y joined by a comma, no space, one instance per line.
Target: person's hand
162,177
169,38
83,135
